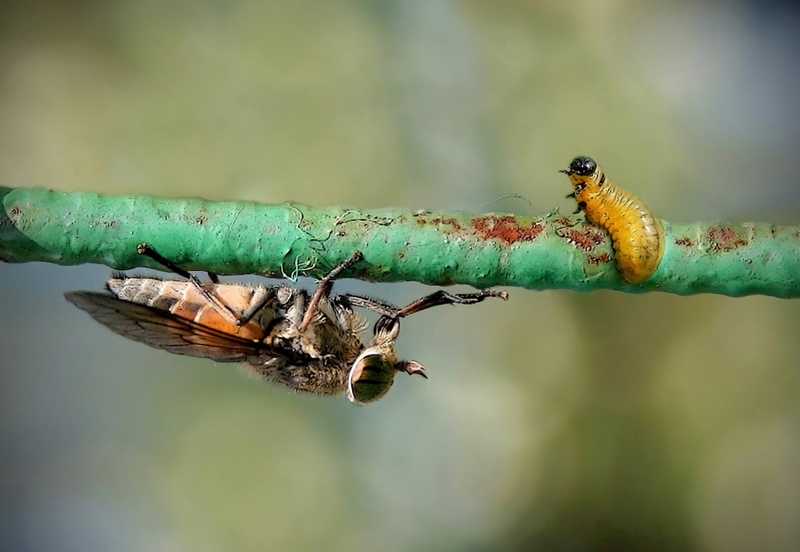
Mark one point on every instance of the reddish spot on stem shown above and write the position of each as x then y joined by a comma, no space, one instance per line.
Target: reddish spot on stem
505,228
597,259
585,237
724,239
422,219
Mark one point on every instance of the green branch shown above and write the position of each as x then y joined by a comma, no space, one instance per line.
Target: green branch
437,248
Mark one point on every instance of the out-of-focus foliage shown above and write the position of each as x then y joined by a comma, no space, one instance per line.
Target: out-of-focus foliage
557,420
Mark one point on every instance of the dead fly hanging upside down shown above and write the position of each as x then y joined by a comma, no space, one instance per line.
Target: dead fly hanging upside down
311,345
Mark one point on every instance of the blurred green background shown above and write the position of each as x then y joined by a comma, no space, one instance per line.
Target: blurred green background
555,421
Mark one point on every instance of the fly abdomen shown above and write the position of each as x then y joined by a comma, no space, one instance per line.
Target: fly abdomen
182,298
179,297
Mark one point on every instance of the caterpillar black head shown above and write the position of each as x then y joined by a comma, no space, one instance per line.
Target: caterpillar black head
582,166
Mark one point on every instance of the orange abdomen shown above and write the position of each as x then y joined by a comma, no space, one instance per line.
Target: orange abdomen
182,299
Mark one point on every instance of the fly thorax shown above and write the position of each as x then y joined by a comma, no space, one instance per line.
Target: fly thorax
283,294
311,344
266,318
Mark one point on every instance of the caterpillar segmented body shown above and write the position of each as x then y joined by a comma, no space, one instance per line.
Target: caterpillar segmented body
636,233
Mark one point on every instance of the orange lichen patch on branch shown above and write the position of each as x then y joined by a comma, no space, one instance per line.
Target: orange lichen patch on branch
505,228
597,259
585,237
724,239
422,219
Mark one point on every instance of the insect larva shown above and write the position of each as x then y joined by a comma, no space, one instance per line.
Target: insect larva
636,233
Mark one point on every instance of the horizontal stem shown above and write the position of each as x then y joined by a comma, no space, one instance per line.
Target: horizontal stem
432,247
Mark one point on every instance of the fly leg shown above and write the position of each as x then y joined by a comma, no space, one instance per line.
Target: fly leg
389,322
324,288
369,303
440,297
148,250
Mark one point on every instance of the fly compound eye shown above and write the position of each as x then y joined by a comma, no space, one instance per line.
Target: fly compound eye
370,378
582,166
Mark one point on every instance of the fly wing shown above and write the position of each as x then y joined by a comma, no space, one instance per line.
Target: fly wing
162,330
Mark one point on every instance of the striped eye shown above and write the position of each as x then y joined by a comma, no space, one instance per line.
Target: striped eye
636,233
370,378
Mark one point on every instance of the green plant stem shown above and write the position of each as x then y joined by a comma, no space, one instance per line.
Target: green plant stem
437,248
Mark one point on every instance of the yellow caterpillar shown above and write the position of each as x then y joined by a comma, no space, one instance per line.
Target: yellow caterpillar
636,233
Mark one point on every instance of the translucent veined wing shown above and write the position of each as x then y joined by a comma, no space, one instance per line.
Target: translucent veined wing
163,330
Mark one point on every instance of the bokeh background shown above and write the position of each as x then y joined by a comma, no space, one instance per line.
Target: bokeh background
555,421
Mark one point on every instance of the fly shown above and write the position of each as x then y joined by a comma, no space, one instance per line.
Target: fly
308,344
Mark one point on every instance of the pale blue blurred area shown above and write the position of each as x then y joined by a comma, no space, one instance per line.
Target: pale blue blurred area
553,421
733,70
